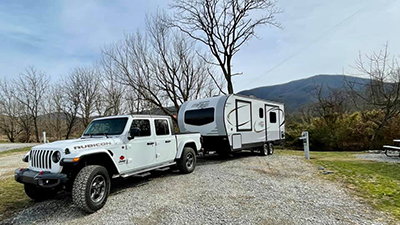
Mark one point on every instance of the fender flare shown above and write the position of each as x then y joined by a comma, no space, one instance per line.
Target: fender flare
182,145
92,152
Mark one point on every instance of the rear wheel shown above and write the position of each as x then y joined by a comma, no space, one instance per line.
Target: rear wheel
264,149
187,162
91,188
270,149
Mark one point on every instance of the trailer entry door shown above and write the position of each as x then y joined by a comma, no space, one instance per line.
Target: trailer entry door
272,121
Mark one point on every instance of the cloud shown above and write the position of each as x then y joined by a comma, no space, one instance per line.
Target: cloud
303,22
56,36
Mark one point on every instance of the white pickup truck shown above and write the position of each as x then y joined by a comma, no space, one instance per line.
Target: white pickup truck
110,147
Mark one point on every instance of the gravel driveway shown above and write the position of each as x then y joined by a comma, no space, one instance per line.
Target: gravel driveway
9,146
245,189
9,163
380,158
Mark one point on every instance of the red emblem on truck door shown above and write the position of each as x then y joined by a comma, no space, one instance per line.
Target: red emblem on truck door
121,159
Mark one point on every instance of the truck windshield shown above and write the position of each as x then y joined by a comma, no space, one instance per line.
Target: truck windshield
106,127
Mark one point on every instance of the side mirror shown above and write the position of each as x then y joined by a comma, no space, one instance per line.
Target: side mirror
131,135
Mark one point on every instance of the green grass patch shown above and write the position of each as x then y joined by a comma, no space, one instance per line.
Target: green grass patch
13,151
378,183
12,197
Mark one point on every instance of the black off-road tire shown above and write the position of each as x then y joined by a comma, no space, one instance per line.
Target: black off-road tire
187,162
271,149
85,183
264,149
39,194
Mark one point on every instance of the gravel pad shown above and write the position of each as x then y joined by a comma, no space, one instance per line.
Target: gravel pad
244,189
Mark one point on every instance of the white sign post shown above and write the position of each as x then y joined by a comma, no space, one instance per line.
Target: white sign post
44,138
306,142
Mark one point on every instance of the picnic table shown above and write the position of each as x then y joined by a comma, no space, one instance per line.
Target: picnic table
390,148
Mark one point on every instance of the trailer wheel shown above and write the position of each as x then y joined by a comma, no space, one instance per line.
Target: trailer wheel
270,149
264,150
187,162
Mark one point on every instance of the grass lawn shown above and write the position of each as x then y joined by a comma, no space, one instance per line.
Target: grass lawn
378,183
17,150
12,194
12,197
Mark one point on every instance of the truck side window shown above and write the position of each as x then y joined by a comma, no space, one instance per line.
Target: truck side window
142,127
261,113
161,127
272,117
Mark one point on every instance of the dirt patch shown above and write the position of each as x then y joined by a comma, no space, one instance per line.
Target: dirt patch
8,164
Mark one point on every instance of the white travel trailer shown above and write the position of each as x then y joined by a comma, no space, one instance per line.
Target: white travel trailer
234,122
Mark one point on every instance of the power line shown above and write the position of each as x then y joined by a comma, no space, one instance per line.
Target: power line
308,45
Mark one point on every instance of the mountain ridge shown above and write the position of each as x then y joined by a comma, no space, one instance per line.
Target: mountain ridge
298,93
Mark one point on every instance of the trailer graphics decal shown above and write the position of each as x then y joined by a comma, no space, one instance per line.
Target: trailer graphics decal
232,111
202,104
261,125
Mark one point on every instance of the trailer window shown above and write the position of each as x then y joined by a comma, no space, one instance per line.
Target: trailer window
272,117
243,116
199,117
161,127
261,113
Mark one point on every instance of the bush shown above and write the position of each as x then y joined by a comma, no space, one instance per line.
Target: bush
343,132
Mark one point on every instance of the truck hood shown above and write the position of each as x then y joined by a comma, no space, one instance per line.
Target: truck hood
80,144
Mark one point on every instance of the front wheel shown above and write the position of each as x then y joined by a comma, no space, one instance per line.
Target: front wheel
187,162
91,188
39,194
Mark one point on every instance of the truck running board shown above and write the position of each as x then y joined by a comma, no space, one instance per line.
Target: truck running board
145,172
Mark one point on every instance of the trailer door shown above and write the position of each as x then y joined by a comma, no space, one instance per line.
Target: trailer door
272,120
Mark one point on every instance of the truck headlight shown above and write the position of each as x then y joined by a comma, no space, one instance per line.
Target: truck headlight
56,157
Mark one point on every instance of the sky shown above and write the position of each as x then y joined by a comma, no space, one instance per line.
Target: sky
317,37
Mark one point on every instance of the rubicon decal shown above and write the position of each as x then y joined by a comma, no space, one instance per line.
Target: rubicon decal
92,145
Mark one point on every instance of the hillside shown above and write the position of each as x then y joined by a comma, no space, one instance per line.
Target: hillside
298,93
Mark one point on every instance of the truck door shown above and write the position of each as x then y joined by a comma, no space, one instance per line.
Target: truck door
141,150
165,141
272,121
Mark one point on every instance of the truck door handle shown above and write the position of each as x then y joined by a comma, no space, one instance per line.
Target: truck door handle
150,143
167,141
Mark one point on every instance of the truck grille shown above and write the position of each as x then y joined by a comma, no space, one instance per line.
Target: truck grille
40,159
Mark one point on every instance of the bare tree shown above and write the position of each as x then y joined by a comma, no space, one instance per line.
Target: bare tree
87,83
53,109
71,102
223,25
9,111
381,91
161,66
330,104
114,91
133,103
31,87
